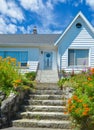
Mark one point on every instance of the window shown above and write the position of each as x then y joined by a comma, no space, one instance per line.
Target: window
78,25
21,56
78,57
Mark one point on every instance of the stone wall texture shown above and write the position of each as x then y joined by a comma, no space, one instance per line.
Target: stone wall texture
9,108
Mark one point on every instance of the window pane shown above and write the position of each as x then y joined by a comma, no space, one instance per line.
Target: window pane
13,54
24,57
71,57
2,54
78,57
81,57
21,56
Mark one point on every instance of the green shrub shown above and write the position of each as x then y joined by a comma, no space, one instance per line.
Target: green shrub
31,75
81,104
61,82
10,78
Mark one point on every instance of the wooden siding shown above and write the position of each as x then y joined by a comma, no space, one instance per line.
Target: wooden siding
76,38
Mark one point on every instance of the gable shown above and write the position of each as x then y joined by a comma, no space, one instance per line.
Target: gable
72,31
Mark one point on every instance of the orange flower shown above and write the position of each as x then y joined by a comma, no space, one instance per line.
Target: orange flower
89,78
18,81
65,112
69,109
69,101
13,59
73,106
84,113
92,70
80,100
75,97
87,109
85,105
77,110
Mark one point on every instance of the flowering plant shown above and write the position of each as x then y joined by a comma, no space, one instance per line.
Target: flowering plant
9,75
81,104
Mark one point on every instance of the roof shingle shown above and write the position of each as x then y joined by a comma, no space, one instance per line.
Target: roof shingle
28,39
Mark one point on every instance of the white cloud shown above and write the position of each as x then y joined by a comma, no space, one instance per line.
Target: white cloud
44,11
56,1
27,30
45,14
11,28
90,3
10,8
76,3
7,28
49,4
33,5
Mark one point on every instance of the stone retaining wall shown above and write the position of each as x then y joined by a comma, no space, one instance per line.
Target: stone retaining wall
9,108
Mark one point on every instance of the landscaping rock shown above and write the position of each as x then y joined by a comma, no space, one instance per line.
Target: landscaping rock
9,107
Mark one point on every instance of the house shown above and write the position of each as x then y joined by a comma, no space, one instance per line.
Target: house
73,49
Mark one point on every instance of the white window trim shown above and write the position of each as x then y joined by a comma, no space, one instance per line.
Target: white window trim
82,66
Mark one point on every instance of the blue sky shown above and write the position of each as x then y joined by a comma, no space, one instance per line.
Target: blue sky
50,16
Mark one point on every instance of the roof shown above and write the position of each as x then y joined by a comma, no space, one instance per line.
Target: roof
80,14
28,39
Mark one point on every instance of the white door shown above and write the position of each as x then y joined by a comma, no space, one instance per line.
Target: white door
48,60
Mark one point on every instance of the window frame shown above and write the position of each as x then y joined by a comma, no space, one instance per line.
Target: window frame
23,63
75,54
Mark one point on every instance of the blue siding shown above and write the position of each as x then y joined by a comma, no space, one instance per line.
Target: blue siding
76,39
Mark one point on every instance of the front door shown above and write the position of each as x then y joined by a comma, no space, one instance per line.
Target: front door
47,60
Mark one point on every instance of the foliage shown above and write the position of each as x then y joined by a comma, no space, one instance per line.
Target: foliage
10,78
9,75
65,76
81,104
29,80
61,82
31,75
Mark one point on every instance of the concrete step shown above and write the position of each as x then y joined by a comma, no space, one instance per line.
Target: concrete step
44,115
47,76
56,92
46,97
45,102
49,86
50,81
29,128
44,108
47,72
42,123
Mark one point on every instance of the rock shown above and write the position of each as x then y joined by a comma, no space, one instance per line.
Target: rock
2,95
9,107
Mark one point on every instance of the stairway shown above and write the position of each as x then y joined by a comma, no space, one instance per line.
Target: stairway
44,109
47,76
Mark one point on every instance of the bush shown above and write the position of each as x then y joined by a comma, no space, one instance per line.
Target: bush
31,75
61,82
9,75
81,104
